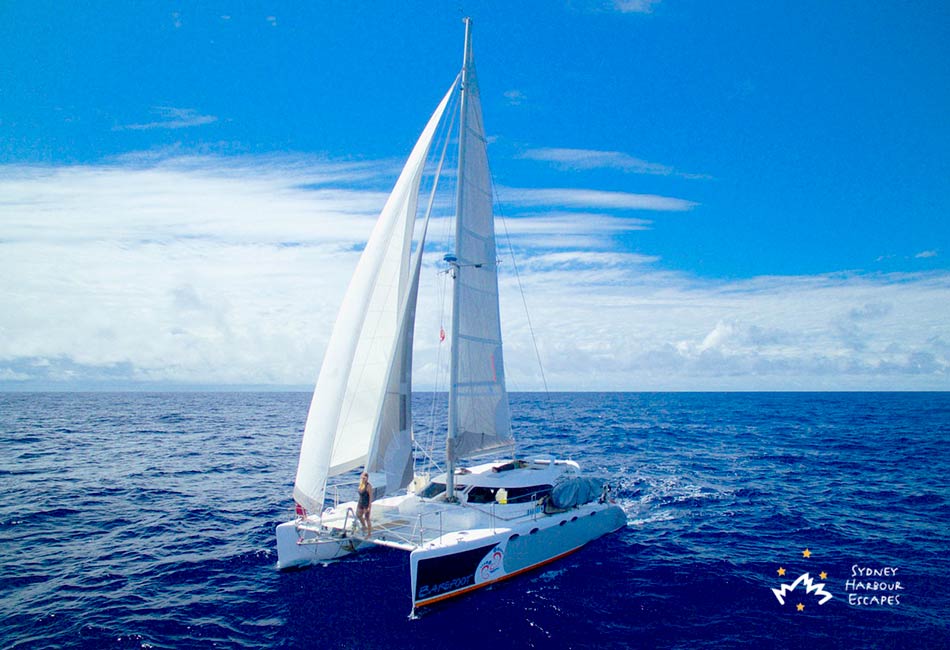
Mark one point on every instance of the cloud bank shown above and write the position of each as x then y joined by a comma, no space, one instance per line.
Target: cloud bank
188,270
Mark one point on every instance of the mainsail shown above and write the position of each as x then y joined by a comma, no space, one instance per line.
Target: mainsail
478,400
364,384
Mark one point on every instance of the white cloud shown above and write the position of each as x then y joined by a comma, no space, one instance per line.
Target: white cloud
926,254
584,159
590,159
575,230
621,6
243,201
515,97
574,260
216,270
635,6
591,199
171,118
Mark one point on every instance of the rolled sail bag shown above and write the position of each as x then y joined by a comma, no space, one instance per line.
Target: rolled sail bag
576,492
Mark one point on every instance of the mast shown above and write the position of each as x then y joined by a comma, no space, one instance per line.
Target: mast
456,270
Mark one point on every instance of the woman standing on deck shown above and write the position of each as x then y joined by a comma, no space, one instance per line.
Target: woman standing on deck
365,505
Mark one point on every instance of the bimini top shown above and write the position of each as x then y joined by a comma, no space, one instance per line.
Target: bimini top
513,473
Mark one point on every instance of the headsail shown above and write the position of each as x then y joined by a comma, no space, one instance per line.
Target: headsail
366,354
392,450
482,423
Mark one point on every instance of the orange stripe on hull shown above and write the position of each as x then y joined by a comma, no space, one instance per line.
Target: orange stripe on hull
465,590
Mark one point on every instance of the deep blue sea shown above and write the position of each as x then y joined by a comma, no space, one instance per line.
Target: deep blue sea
134,520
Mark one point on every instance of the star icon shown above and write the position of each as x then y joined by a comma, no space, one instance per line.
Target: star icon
823,575
800,607
806,553
781,571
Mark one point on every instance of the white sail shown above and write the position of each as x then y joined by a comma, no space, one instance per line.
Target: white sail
482,419
392,451
348,402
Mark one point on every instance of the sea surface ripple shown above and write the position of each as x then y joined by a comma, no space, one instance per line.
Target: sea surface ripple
146,520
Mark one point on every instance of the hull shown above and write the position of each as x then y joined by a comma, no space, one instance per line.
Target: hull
462,562
299,547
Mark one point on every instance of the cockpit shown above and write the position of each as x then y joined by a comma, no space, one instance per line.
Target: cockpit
480,494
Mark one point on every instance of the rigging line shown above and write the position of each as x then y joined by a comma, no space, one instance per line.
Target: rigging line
430,441
443,134
524,301
445,130
437,175
429,445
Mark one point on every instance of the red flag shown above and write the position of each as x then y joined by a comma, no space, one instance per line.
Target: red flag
441,334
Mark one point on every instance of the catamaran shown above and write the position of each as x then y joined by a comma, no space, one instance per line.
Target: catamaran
470,525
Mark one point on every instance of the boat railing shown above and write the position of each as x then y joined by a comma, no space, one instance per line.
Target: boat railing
535,510
423,529
405,532
420,528
334,491
346,520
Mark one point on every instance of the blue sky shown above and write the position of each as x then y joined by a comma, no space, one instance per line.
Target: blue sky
705,196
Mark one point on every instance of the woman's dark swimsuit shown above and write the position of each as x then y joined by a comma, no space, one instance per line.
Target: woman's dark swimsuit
364,499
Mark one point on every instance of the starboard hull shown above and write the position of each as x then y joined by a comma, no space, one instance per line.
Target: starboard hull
445,570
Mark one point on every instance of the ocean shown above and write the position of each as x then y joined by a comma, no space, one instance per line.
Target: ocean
146,520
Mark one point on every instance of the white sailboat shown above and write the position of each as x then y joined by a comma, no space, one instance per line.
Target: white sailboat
471,525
